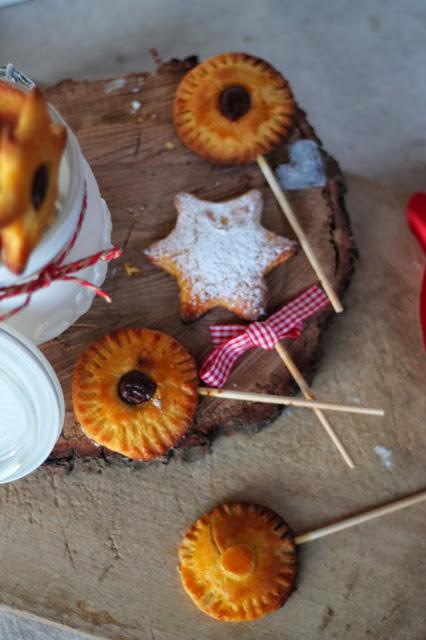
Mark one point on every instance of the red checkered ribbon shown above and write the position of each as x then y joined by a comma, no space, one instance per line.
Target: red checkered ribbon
56,270
233,340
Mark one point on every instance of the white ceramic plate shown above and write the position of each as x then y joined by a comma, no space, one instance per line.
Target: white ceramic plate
32,407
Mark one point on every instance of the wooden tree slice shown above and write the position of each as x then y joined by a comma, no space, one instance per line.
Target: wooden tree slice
126,133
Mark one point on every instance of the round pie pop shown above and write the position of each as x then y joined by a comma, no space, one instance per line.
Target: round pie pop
135,392
238,562
232,108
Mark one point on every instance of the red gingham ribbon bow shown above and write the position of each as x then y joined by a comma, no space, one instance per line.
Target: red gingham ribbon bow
56,270
233,340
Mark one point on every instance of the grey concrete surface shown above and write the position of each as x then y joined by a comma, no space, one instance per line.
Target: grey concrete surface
358,68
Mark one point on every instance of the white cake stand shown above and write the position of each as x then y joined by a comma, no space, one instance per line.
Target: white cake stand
53,309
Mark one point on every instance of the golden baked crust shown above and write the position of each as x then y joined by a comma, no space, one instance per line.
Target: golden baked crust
232,108
238,562
219,253
31,147
11,103
145,430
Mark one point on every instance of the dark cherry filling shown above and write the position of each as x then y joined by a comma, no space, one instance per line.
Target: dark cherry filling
234,102
135,387
39,186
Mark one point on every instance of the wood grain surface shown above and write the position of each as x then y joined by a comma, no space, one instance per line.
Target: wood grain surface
126,133
93,545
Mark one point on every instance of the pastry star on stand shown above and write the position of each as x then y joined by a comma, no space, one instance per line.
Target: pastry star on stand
219,253
30,156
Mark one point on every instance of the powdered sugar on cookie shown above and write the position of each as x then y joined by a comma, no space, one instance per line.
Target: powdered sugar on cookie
219,253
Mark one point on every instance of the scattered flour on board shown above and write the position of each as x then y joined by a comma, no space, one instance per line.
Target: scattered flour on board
114,85
136,105
385,455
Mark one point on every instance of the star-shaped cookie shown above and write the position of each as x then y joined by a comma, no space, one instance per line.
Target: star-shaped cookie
219,253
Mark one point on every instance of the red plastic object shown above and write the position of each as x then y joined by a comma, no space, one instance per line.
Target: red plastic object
416,217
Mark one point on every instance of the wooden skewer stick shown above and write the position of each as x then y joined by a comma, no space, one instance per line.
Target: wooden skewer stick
300,234
286,400
309,394
377,512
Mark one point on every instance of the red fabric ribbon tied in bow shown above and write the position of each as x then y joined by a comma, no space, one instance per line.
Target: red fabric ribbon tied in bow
56,270
416,216
233,340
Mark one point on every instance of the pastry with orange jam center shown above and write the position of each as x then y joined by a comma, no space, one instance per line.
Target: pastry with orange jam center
238,562
135,392
233,107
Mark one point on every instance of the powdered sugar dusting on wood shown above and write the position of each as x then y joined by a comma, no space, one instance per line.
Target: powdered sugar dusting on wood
385,455
115,85
222,250
135,106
